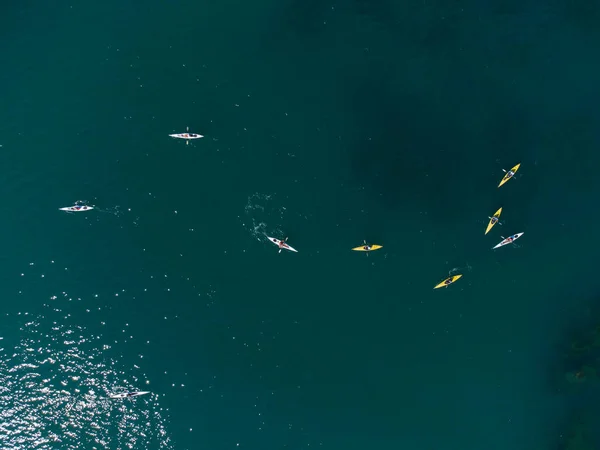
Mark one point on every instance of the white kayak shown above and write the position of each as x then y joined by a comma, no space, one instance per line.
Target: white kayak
128,394
509,240
186,136
284,245
77,208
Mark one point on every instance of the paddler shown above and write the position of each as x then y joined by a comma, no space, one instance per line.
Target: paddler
131,394
366,247
448,281
282,243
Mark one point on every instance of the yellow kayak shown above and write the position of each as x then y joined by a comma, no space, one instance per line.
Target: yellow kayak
448,281
367,248
492,222
509,174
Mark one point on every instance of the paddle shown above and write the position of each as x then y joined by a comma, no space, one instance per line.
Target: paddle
499,223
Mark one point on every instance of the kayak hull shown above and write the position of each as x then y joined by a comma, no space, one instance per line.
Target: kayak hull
362,248
490,224
506,241
128,394
506,177
74,209
285,246
443,283
186,136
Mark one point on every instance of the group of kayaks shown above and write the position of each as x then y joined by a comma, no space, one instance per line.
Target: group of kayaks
77,207
187,136
495,218
493,221
283,245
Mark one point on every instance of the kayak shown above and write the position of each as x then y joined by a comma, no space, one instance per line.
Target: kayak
77,208
491,224
287,247
509,174
363,248
448,281
509,240
128,394
186,136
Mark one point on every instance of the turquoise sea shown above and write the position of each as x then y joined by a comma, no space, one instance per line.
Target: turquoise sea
327,123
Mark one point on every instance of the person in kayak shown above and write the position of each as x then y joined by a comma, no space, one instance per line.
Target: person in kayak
448,281
282,243
494,220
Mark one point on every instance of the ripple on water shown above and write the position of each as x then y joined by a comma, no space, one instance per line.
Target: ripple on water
262,216
53,387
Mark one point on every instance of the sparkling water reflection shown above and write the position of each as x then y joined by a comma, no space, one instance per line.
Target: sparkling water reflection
53,393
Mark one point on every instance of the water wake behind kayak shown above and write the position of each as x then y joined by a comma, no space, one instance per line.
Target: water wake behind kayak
262,216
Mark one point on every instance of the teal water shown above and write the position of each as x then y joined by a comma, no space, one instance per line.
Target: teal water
328,123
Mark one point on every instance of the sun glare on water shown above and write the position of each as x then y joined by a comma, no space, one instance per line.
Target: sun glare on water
53,394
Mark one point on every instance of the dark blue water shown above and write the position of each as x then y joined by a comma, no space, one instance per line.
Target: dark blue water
327,123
